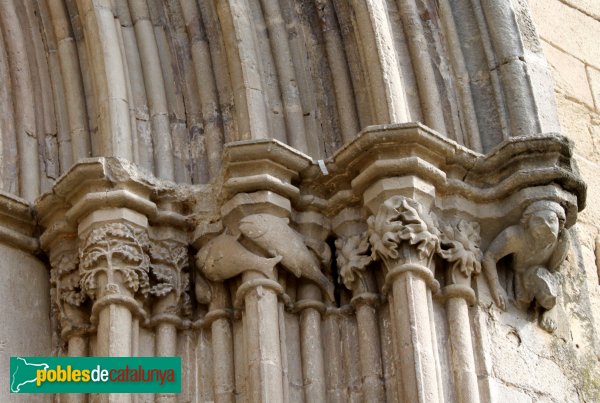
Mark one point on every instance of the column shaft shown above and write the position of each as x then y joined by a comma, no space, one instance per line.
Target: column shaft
336,387
222,342
410,311
114,340
294,366
313,369
370,353
461,344
166,346
264,377
77,346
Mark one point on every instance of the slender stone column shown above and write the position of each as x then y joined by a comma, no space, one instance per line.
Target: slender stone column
413,336
314,228
390,362
350,349
352,258
222,343
261,327
68,299
365,304
294,393
337,390
168,259
239,360
461,344
114,268
313,369
204,359
403,236
460,248
219,319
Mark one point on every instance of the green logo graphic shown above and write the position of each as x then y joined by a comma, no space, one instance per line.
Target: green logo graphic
95,374
23,372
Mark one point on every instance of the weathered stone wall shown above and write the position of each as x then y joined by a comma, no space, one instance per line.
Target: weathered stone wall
25,315
527,364
569,31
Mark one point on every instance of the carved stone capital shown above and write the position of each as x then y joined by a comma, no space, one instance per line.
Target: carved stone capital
113,260
459,248
353,255
169,282
404,236
265,241
68,299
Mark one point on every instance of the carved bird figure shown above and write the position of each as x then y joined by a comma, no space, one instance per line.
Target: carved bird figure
275,237
224,257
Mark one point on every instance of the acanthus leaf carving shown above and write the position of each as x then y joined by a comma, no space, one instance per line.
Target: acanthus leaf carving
70,292
67,279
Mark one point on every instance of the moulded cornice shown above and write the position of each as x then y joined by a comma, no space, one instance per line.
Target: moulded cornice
101,183
364,168
17,223
274,150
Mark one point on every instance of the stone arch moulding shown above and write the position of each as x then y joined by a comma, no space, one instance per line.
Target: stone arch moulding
244,183
165,84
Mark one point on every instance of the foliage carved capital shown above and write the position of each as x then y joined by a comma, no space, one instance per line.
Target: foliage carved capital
352,257
67,297
402,232
118,251
168,261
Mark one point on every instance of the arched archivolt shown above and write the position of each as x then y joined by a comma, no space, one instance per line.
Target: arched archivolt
166,83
